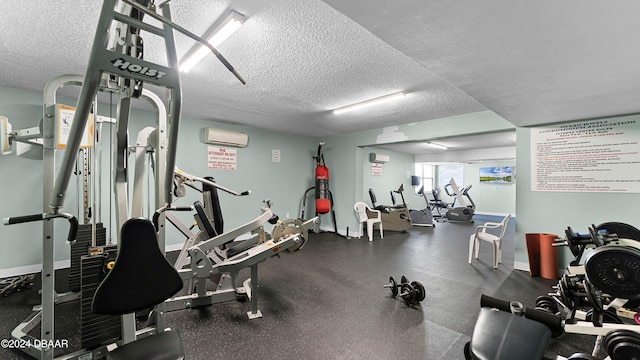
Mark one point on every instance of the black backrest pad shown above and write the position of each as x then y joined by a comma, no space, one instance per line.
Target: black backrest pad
204,219
216,210
372,195
141,277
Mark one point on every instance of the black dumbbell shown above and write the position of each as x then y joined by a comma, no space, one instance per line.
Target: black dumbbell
411,293
393,285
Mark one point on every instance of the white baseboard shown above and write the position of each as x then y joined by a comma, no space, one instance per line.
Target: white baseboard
493,213
30,269
518,265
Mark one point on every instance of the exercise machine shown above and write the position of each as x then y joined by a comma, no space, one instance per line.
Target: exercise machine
599,297
422,217
461,212
394,218
323,197
214,255
418,217
116,66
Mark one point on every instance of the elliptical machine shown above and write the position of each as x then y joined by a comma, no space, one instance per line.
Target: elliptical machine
462,212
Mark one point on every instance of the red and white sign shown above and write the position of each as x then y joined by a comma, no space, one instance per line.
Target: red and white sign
376,169
220,158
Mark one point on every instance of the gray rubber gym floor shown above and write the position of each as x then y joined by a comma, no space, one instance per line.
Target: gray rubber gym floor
327,301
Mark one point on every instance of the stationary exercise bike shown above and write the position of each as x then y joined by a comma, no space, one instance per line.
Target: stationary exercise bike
394,218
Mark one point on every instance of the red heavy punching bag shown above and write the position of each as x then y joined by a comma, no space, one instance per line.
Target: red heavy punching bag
323,203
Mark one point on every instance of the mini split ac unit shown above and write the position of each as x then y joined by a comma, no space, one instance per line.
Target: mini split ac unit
378,158
225,138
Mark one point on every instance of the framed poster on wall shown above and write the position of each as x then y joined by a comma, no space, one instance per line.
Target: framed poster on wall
496,175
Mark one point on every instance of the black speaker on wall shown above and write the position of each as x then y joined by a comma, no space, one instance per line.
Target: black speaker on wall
415,180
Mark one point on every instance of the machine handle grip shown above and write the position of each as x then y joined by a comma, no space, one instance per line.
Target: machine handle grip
73,229
73,221
488,301
156,215
245,193
23,219
553,321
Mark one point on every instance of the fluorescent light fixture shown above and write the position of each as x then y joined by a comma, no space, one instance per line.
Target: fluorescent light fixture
437,146
368,103
232,22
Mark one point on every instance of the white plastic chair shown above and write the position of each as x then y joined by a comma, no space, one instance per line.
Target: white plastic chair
361,209
496,240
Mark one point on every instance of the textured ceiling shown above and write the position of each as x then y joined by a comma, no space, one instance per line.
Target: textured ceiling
530,62
300,60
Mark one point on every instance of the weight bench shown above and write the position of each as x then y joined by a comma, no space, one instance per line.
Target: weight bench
141,278
501,334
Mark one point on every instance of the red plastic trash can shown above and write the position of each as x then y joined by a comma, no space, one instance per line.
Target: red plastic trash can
543,256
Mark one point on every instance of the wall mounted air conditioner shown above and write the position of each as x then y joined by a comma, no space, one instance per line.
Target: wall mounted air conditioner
225,138
378,158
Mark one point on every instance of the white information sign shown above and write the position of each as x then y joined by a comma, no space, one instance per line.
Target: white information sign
275,155
220,158
589,156
376,169
65,120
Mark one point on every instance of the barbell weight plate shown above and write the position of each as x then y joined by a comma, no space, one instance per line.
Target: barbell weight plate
410,294
394,286
593,297
403,280
624,231
563,290
615,270
625,350
613,338
287,228
546,303
421,291
609,317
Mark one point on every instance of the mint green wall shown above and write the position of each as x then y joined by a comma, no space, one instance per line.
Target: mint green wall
397,171
490,199
552,212
284,183
345,155
21,179
493,199
345,180
21,194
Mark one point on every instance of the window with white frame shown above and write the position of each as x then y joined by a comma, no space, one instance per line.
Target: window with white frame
425,173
